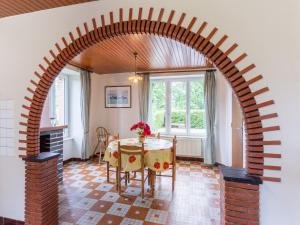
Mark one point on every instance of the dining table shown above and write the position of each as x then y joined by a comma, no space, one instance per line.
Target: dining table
157,158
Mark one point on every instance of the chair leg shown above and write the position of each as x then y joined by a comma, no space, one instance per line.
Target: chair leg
149,178
107,172
152,178
126,178
118,181
100,153
95,149
143,183
173,177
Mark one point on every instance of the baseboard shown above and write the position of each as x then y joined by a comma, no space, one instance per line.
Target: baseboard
219,164
183,158
8,221
189,158
76,160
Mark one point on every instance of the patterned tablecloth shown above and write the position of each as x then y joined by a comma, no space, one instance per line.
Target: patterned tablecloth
158,154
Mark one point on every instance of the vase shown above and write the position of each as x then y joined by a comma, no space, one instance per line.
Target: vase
141,139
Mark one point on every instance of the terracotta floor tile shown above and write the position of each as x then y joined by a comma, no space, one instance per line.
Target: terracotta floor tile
91,185
136,212
86,198
88,177
110,220
95,194
160,204
102,206
150,223
127,199
73,215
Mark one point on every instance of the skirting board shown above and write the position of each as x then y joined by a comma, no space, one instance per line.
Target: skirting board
183,158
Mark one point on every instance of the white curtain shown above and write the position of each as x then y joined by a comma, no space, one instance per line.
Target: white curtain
144,86
85,79
210,111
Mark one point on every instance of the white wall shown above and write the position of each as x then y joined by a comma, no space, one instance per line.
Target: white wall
267,30
115,120
45,119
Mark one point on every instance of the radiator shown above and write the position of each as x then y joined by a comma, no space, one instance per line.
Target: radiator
191,147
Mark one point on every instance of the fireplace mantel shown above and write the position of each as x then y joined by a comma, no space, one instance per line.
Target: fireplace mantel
45,129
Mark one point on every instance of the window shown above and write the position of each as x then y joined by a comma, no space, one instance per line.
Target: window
59,101
177,105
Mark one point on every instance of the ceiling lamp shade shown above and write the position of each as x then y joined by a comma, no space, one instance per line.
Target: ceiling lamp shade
135,78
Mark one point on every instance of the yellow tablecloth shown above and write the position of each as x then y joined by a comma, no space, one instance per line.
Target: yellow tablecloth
158,154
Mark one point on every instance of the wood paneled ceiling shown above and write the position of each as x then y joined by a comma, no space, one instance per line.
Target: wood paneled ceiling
16,7
155,53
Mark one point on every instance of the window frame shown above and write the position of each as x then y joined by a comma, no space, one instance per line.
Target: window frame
187,78
52,102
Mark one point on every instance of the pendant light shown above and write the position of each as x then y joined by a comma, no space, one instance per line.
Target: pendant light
135,78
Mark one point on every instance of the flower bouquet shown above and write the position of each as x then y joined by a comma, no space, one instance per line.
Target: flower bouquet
142,129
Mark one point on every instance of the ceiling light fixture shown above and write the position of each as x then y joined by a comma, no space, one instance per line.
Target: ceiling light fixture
135,78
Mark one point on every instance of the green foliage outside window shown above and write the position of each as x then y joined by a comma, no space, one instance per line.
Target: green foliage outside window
178,115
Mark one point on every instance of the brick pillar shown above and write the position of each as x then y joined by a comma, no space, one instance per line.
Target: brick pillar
41,189
239,197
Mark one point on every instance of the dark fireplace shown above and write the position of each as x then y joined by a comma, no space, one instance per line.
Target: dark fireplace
51,140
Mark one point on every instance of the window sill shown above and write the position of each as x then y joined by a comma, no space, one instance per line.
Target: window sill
183,136
67,138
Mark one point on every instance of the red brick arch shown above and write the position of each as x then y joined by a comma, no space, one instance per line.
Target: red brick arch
80,41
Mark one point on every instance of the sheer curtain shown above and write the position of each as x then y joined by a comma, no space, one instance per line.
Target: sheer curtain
144,86
210,111
85,80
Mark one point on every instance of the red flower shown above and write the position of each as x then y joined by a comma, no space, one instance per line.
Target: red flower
156,165
166,165
143,128
145,133
116,155
134,127
132,158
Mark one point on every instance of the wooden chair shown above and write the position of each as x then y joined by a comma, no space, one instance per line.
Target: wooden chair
109,169
130,150
172,167
101,134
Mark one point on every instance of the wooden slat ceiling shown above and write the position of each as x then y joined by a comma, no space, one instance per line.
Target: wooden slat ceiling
115,55
16,7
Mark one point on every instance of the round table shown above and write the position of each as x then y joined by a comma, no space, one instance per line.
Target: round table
158,154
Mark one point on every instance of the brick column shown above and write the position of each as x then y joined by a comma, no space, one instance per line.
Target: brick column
239,197
41,189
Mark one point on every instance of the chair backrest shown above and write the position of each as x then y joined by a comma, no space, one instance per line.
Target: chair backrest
101,133
130,150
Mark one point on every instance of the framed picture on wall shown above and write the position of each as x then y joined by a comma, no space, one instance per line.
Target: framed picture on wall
118,96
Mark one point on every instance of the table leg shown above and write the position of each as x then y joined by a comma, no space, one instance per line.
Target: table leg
152,181
117,179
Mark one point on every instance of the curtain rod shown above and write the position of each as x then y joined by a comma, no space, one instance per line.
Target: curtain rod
179,70
199,69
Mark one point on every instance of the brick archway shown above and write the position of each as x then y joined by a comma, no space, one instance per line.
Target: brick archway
38,166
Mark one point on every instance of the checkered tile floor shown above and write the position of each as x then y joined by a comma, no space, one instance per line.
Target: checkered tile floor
87,199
